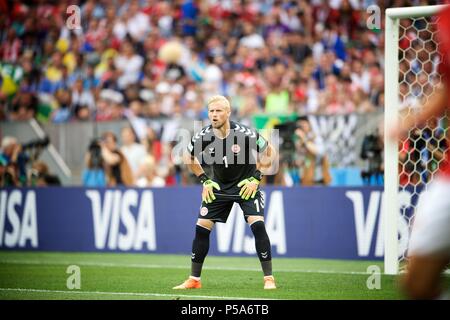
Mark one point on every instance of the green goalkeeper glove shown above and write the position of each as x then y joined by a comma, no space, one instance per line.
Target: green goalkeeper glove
249,188
208,192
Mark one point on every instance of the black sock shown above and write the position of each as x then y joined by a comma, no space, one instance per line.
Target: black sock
262,244
200,247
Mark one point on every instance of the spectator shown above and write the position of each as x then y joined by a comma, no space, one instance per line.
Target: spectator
314,167
297,47
24,107
40,175
14,162
212,78
138,23
94,173
189,14
152,144
63,113
133,151
118,170
7,178
251,39
109,106
147,176
360,77
82,96
277,100
245,101
82,113
371,153
129,64
436,144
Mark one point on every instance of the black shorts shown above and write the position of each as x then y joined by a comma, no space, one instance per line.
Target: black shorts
220,208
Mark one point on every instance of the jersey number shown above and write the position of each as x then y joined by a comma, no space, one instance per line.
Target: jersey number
257,204
225,161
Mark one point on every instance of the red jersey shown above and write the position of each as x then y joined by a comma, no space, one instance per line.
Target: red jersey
443,29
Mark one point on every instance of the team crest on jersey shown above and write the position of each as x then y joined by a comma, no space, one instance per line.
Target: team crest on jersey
235,148
203,211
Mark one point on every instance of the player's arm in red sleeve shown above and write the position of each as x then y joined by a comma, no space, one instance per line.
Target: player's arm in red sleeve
434,107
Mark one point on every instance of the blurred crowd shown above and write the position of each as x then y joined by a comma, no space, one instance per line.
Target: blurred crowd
161,58
422,153
132,59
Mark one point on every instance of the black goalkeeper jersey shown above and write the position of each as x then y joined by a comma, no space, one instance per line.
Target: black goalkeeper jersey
232,158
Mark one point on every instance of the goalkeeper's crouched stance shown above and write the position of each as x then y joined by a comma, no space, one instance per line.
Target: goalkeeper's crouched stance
236,179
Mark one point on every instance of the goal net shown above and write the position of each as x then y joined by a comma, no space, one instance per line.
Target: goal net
411,75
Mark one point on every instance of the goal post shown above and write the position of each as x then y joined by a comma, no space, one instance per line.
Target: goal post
395,97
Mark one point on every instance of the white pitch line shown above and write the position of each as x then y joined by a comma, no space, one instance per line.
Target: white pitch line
143,294
162,266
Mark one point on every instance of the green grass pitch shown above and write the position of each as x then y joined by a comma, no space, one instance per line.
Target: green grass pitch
37,275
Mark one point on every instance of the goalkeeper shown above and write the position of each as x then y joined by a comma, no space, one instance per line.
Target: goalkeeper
238,155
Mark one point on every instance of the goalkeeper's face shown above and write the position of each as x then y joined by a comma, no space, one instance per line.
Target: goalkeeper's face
218,113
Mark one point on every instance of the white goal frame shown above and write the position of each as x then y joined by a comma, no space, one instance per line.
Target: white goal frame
391,89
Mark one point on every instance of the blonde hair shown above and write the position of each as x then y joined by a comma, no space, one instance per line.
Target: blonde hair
148,162
217,98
